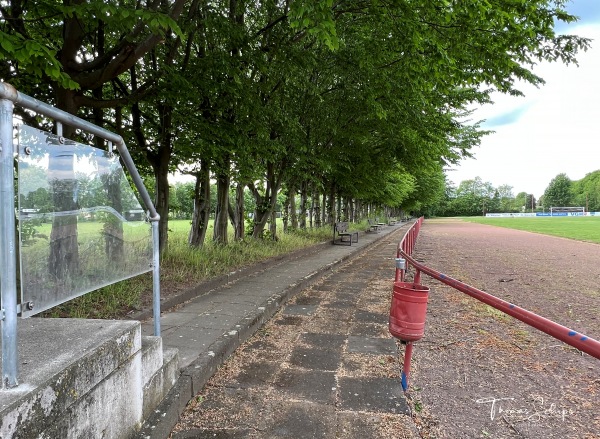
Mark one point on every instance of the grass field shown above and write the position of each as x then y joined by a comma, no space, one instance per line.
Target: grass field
585,228
182,265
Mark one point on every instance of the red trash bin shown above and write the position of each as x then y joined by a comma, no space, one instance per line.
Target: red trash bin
407,312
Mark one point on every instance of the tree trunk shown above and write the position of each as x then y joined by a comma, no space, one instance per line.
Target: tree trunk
237,213
347,209
162,204
201,207
159,161
311,212
303,203
160,165
317,208
222,208
293,207
357,211
331,216
63,260
324,210
273,225
286,213
265,205
113,227
314,210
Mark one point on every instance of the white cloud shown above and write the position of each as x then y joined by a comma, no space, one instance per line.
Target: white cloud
553,129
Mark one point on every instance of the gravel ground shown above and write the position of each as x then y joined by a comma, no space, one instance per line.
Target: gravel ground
481,374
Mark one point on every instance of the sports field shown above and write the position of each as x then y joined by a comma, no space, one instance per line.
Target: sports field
585,228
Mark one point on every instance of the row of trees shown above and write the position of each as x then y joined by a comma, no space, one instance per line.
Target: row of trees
296,211
562,191
353,104
476,197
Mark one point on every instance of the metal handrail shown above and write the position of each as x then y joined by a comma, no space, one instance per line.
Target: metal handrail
404,259
8,92
9,97
569,336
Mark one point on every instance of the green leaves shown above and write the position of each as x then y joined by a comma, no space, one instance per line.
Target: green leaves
121,16
6,44
315,18
558,193
369,94
35,58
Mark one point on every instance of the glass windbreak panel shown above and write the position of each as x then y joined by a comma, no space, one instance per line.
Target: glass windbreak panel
81,226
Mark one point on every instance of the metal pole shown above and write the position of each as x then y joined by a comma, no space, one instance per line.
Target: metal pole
8,257
155,276
417,277
406,365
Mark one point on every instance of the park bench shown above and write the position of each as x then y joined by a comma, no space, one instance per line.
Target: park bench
373,226
392,221
341,229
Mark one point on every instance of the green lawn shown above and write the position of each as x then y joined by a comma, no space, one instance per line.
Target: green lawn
181,266
585,228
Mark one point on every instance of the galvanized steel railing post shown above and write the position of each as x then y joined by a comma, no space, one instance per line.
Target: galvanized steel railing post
155,275
8,256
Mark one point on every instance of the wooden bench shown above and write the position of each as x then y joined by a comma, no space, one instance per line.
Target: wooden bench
373,227
392,221
341,229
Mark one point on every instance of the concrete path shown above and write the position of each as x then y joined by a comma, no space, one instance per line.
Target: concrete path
208,328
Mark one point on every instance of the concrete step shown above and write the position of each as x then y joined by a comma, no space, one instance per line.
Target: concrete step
152,356
78,378
160,371
85,379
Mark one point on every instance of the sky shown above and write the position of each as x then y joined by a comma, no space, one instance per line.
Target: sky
553,129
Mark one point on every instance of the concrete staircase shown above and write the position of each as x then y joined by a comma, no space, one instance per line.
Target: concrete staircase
160,370
85,379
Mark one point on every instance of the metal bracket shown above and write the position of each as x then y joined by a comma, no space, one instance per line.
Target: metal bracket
2,315
401,264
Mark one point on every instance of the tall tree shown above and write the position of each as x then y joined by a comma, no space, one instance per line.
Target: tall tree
75,53
339,90
558,193
505,194
587,191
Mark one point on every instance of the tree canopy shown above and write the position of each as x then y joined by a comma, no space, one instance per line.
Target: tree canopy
586,192
476,197
364,102
558,193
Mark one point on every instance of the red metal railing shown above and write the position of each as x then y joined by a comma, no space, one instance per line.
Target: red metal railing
567,335
406,246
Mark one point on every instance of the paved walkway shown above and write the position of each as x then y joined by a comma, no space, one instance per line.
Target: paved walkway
208,329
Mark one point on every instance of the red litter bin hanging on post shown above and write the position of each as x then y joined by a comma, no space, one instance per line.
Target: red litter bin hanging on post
407,312
407,319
